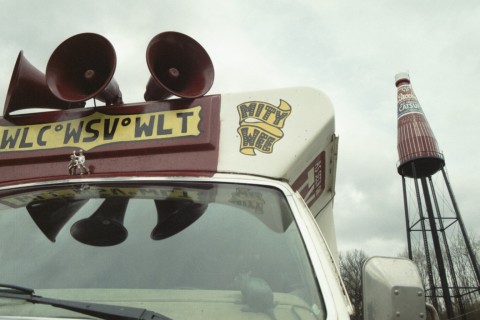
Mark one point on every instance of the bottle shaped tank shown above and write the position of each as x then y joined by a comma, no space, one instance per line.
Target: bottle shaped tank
416,142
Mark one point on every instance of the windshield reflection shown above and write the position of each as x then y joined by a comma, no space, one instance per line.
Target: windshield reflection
165,237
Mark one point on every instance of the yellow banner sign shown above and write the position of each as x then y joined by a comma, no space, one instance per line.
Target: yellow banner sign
99,129
260,125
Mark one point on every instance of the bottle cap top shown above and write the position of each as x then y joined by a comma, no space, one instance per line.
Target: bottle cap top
402,76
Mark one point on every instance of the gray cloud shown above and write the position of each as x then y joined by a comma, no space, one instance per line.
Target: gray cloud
350,50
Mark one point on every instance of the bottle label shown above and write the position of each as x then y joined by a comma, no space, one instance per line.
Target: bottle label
407,101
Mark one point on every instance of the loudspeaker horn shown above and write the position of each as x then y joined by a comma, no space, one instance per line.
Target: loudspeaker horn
105,226
82,67
175,216
179,66
50,216
28,89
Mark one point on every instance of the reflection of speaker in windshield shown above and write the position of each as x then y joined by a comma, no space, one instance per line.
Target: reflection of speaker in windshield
175,216
105,226
179,66
51,215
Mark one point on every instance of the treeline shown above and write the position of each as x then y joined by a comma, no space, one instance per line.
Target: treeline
465,300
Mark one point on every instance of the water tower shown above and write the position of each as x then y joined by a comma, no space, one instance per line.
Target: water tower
432,221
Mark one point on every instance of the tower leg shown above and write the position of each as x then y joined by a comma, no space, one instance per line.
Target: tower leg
431,282
453,276
407,220
438,251
470,250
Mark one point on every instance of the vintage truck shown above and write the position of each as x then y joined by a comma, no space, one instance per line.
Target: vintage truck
211,207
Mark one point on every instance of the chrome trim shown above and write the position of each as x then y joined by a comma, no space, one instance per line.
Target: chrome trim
218,178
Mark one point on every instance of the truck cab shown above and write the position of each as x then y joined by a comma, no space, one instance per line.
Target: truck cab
217,207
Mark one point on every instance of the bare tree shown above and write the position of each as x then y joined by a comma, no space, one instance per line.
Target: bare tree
351,263
466,295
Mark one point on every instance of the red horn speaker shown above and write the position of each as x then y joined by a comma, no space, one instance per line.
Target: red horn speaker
179,66
28,89
82,67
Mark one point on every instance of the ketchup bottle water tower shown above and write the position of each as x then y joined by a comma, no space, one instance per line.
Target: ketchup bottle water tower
431,223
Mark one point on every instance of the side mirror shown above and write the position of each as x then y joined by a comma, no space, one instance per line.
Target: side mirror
392,289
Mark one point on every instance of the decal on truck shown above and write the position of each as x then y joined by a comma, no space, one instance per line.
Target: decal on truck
311,182
261,125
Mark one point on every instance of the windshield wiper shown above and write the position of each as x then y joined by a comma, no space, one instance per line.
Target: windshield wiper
103,311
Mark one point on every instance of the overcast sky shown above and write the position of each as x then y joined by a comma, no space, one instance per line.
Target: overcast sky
349,49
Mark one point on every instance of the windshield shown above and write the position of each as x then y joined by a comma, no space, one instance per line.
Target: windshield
186,250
